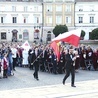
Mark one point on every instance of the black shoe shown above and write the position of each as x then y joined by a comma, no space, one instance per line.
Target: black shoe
34,76
37,79
63,83
73,85
14,69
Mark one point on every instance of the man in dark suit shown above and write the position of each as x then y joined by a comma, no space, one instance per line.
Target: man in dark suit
30,60
70,68
36,63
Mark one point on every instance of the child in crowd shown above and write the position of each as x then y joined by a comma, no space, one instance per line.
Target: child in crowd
5,65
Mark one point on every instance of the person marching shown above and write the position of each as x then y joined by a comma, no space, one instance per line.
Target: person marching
36,63
70,68
54,61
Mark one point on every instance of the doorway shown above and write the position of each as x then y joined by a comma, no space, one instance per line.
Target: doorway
14,35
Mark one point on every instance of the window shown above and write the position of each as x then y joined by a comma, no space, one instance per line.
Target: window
68,19
49,36
49,0
25,19
2,20
36,19
58,1
58,8
13,0
35,8
20,36
25,0
49,19
80,19
91,8
91,19
2,8
68,8
13,8
36,33
14,19
25,35
49,8
3,35
19,0
25,9
80,8
58,19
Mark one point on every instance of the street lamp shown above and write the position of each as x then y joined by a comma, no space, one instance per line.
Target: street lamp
41,40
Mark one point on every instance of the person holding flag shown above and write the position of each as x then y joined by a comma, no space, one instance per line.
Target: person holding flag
73,38
70,66
36,63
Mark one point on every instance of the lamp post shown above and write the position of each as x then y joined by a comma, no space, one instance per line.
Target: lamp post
41,40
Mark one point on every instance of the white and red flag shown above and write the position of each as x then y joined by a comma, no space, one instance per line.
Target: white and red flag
26,45
56,48
71,37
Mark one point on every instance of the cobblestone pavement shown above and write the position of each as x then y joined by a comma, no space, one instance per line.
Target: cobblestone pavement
23,85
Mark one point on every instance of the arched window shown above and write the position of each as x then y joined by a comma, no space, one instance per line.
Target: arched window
49,36
3,35
25,35
36,34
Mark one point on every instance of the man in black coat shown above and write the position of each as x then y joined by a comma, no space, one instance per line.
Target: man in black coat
70,68
30,59
36,63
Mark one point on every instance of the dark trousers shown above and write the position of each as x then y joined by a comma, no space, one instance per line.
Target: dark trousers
60,67
68,71
54,67
41,63
14,63
36,68
0,69
5,73
30,61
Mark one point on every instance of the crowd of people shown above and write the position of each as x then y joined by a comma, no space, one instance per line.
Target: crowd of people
43,58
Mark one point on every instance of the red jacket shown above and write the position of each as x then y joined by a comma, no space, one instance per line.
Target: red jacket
5,64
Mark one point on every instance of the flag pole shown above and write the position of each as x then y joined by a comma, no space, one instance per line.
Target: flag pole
38,56
36,59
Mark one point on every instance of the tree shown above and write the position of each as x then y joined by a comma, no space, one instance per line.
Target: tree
82,34
94,34
59,29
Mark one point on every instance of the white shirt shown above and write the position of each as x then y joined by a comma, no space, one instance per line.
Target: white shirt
14,52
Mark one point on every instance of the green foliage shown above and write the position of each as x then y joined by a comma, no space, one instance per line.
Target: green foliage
94,34
59,29
82,33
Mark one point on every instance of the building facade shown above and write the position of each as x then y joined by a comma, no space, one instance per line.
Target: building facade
57,12
34,20
86,14
20,20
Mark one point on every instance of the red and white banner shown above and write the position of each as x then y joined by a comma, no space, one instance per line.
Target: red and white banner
56,48
71,37
26,45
